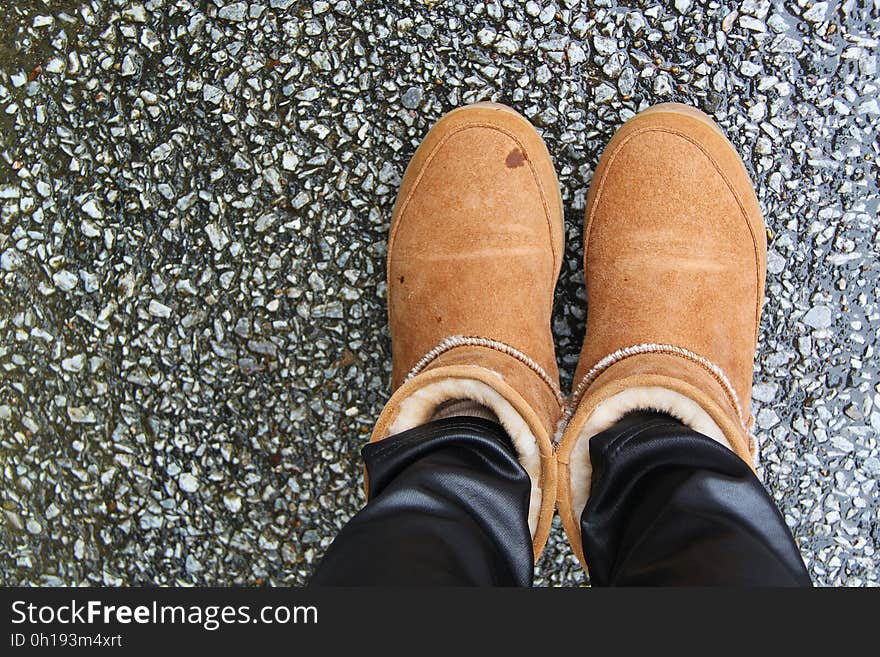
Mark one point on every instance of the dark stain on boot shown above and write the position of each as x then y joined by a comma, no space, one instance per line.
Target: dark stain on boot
401,279
515,159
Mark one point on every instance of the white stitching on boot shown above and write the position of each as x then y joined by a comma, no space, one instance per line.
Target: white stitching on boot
654,348
454,341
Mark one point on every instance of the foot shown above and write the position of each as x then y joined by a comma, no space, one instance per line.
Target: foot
675,261
473,256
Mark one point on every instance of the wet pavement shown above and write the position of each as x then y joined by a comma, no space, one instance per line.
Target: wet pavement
194,199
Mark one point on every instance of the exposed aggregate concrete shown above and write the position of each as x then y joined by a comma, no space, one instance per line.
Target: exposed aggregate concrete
194,200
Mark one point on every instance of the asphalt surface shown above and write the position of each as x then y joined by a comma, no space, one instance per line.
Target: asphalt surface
194,199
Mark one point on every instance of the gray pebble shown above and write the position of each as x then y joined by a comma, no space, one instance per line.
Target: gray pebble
212,94
217,236
10,260
818,317
158,309
65,280
412,98
233,12
188,483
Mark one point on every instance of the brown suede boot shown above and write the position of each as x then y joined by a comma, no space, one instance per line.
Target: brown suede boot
473,256
675,260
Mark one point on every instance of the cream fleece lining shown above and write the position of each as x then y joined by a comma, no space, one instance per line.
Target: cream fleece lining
608,412
420,406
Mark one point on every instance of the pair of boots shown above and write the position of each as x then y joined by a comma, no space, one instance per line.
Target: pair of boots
675,262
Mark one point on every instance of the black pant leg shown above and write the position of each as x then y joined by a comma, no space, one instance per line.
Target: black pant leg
670,506
448,505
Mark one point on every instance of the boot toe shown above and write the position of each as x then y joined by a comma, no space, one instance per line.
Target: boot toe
476,238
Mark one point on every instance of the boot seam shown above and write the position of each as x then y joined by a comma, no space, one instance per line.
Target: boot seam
654,348
455,341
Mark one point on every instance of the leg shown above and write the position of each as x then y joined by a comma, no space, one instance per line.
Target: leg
448,506
675,264
670,506
474,251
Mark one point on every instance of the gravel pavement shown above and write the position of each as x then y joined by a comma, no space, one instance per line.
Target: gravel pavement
194,200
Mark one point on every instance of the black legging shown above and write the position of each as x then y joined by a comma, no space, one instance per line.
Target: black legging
668,506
